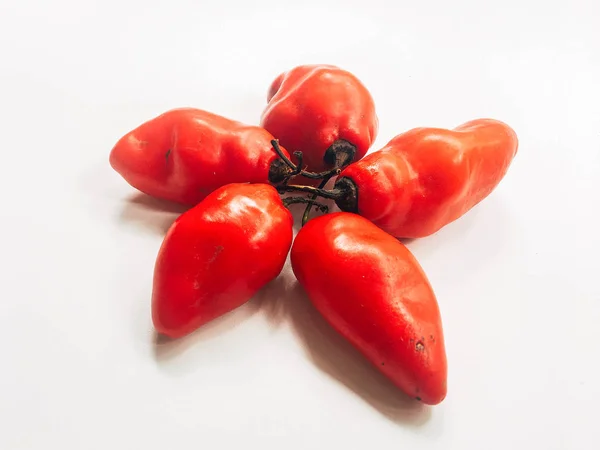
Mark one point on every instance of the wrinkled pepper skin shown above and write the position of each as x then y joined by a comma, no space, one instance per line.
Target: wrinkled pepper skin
217,255
315,108
371,289
185,154
428,177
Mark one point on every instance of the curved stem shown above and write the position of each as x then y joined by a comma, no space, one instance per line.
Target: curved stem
319,192
296,169
292,200
320,175
300,157
285,159
313,197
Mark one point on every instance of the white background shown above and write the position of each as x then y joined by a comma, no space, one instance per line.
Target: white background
517,278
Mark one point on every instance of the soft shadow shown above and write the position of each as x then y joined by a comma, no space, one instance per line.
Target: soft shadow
407,241
472,242
271,300
151,213
167,349
339,359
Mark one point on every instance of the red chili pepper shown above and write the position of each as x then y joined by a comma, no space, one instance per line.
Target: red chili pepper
427,177
324,112
185,154
371,289
217,255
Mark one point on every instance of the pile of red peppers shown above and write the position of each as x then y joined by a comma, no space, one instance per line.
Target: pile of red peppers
239,181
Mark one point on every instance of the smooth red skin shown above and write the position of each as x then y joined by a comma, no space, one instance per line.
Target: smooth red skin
312,106
371,289
428,177
207,151
217,255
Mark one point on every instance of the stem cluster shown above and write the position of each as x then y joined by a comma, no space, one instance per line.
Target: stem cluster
297,169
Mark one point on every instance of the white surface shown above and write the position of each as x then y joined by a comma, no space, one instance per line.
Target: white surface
516,278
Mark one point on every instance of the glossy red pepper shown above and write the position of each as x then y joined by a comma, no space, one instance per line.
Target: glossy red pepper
371,289
185,154
217,255
427,177
324,112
